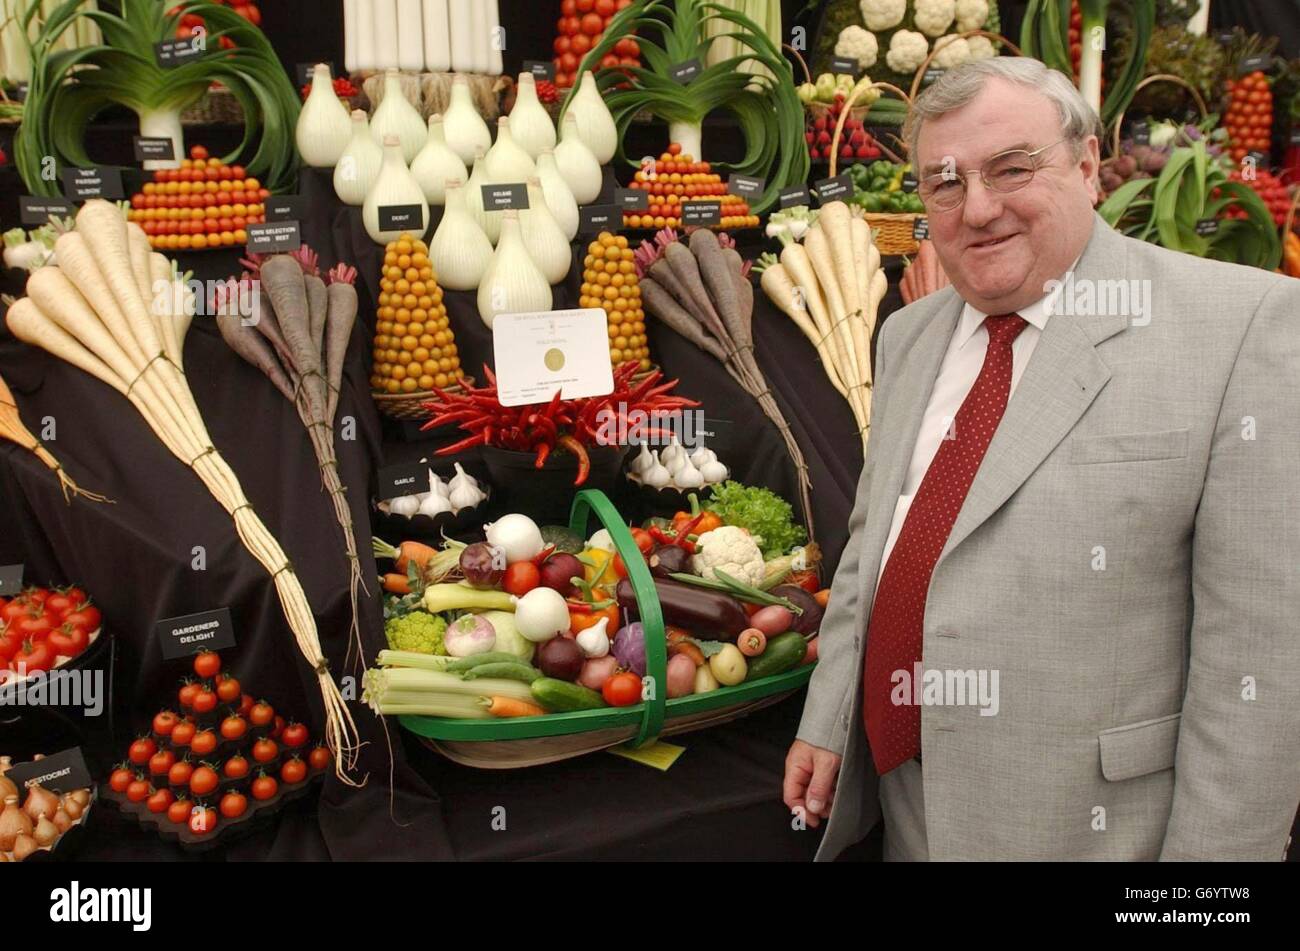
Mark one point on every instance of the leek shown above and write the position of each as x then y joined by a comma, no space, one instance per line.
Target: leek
70,87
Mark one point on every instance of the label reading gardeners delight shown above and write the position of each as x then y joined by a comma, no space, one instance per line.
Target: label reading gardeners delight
37,210
592,219
702,213
746,186
60,773
273,237
632,199
82,184
186,636
11,580
147,149
686,72
505,197
832,189
401,218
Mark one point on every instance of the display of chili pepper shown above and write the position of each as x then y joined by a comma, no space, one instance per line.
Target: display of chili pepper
644,543
704,521
595,604
681,538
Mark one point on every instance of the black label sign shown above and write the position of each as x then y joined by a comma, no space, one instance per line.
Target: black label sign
632,199
931,74
909,182
792,197
505,197
11,580
715,434
307,73
286,208
274,237
921,229
702,213
397,481
1258,157
186,636
161,150
175,53
746,186
1207,226
1142,133
1224,37
832,189
541,69
596,218
687,71
844,65
1248,64
82,184
37,211
1295,135
59,773
401,218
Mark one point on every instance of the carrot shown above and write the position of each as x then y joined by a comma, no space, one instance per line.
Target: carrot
396,584
404,554
823,597
341,319
510,707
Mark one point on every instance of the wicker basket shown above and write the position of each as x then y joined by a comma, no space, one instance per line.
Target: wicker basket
410,406
994,37
1118,127
512,743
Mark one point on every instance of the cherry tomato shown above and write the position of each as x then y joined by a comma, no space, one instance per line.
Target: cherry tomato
119,779
622,690
245,706
139,790
233,805
293,771
178,813
203,820
180,773
233,728
261,714
199,153
141,750
294,735
204,742
236,768
264,787
204,780
183,733
160,801
164,723
205,701
319,758
278,728
265,750
207,665
228,689
520,578
160,763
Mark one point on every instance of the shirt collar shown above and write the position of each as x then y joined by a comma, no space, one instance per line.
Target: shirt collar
1035,314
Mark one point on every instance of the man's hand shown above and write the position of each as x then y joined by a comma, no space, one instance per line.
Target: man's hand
810,776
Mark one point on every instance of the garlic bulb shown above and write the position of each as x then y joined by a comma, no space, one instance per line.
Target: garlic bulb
558,194
507,163
405,506
460,252
513,284
595,121
489,223
435,505
546,243
393,186
358,166
657,476
677,464
671,453
466,131
643,461
714,472
437,164
462,478
577,164
701,455
323,129
688,477
396,116
465,497
436,485
530,123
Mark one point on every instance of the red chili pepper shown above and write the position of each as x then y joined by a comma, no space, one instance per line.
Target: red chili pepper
662,537
584,461
476,440
543,453
545,553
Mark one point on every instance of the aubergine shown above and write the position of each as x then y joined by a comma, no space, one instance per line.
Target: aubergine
710,615
811,619
668,560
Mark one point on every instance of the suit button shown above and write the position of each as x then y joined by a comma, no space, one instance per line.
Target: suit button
857,641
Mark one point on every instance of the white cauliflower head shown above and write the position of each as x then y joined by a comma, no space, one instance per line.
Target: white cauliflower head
883,14
907,51
971,14
857,43
933,17
951,52
981,47
733,551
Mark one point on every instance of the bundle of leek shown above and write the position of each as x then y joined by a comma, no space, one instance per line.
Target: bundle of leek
90,310
12,428
764,102
69,88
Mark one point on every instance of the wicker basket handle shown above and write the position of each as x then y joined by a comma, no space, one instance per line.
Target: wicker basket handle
848,107
1158,77
803,63
995,37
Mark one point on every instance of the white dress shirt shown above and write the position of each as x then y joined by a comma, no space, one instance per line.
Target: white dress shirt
957,374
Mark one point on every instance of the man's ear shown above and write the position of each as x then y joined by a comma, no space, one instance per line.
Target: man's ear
1090,166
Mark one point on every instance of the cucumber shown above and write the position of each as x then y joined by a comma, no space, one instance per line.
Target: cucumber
506,670
784,652
491,657
885,118
559,696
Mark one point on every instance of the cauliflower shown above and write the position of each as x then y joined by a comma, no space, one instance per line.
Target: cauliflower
883,14
857,43
981,47
951,52
972,15
731,549
933,17
907,51
417,631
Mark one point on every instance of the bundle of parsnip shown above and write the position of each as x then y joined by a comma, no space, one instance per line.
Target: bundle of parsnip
702,292
98,309
831,286
12,428
298,335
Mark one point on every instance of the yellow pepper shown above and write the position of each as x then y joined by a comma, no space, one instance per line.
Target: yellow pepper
599,567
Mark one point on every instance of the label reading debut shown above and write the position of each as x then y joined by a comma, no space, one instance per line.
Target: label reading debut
832,189
632,199
185,636
286,208
505,197
595,218
401,218
274,237
146,149
60,773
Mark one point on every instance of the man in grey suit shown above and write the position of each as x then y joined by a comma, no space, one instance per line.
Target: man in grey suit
1065,624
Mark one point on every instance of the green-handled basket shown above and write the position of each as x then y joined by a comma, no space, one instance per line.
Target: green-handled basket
531,741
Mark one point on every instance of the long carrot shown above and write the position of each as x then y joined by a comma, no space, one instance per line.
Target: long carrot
404,554
510,707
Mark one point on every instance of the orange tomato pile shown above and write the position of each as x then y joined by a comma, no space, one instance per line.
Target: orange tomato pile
1249,118
415,349
581,26
203,204
678,179
609,282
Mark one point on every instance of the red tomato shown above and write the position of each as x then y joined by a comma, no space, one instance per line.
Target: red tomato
228,687
141,750
294,771
294,735
120,779
14,610
205,701
199,153
59,603
37,595
606,8
319,758
183,733
622,690
178,813
161,801
203,820
278,728
233,728
561,45
265,750
593,25
87,616
207,665
805,579
234,805
139,790
68,640
180,773
204,742
35,623
520,578
580,45
204,780
11,642
165,722
261,714
236,768
568,8
264,787
245,705
160,763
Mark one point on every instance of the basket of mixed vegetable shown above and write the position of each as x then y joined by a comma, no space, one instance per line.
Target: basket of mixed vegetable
552,646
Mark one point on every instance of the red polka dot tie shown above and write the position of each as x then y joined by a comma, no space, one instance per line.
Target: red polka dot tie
894,633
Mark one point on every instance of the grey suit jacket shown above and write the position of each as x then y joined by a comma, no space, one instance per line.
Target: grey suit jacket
1127,560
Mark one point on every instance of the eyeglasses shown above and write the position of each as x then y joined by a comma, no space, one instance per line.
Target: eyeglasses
1004,173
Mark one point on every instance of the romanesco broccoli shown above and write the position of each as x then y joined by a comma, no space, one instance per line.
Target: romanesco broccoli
417,631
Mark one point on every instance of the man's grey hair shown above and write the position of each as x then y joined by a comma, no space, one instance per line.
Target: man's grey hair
958,87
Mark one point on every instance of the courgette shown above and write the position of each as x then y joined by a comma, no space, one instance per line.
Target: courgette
506,670
560,696
784,652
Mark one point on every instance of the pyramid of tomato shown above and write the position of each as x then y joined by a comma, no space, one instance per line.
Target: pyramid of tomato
581,26
203,204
